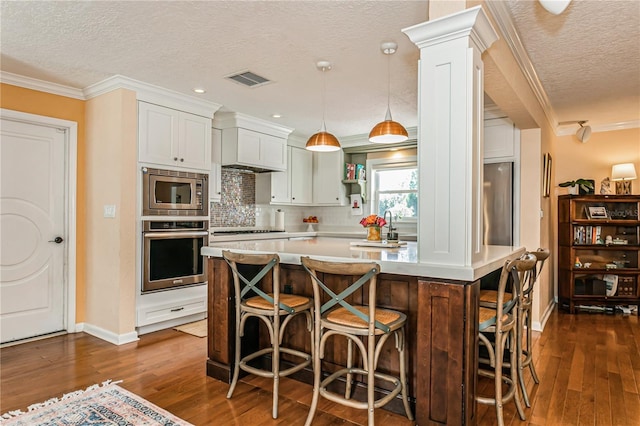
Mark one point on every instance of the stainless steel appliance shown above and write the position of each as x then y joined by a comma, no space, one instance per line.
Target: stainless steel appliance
498,204
172,193
171,254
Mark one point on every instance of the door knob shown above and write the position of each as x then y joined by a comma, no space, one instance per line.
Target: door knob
57,240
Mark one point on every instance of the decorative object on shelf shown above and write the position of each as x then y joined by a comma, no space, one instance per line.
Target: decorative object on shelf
622,175
310,219
388,131
546,174
597,212
555,7
578,185
373,223
323,141
605,186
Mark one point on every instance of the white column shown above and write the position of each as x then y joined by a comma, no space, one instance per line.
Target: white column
450,128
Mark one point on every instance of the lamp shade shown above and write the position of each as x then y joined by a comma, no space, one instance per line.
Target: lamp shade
323,141
388,131
626,171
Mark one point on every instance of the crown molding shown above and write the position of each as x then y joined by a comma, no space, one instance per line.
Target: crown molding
472,22
41,85
153,94
226,120
571,130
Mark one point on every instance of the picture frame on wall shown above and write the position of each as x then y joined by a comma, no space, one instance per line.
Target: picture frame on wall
547,163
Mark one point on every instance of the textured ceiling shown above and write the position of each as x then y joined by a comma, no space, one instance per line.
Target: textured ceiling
588,58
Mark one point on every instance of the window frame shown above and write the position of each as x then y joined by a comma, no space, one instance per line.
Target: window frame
378,164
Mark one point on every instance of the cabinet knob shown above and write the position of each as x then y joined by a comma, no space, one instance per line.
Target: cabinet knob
218,192
293,198
175,158
181,160
273,196
337,198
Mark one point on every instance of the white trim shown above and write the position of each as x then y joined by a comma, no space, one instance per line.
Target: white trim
111,337
539,325
226,120
153,94
71,152
571,130
40,85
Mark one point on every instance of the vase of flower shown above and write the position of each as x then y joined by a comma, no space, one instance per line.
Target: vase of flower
373,223
373,233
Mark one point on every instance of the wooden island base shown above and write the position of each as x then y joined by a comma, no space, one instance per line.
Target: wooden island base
441,337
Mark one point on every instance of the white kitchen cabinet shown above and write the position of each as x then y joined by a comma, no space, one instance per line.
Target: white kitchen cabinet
499,138
328,188
169,137
251,149
301,176
215,176
291,187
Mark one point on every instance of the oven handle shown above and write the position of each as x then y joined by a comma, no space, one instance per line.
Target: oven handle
174,234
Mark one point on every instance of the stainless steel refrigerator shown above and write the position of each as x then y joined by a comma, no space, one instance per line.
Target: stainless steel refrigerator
498,204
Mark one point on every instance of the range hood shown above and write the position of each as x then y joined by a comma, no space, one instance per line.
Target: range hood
248,169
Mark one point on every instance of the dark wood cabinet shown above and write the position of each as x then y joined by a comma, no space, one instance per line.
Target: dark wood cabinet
598,246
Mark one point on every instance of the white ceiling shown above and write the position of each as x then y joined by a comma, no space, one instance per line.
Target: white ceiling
588,58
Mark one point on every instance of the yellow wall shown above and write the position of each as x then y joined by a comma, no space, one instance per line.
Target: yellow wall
111,245
593,159
45,104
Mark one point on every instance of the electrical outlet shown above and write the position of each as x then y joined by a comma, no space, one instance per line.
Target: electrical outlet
109,210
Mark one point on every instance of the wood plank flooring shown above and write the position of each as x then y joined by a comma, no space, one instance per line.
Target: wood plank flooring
588,364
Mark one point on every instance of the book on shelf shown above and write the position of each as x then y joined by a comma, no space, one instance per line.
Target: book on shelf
587,234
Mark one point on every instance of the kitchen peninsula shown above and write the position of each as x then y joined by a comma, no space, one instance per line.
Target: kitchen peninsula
441,304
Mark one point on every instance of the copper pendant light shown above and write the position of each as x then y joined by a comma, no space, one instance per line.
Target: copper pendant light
388,131
323,141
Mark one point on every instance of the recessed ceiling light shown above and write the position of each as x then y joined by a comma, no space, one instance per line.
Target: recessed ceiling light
199,90
276,115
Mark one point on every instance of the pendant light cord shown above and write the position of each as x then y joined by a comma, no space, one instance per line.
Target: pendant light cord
324,93
388,81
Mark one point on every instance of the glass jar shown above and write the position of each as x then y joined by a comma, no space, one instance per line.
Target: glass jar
373,233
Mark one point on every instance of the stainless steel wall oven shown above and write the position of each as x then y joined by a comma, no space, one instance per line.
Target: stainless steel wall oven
171,254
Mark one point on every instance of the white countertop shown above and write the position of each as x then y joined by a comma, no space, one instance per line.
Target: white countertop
402,261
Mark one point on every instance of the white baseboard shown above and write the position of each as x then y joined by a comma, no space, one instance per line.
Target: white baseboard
171,323
539,325
106,335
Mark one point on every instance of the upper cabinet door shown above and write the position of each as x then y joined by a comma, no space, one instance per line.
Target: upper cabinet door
273,152
327,178
248,147
499,138
173,138
158,133
194,147
301,176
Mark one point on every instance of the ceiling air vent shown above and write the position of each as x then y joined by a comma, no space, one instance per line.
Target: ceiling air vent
249,79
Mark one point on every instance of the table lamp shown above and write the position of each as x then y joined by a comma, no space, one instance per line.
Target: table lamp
622,175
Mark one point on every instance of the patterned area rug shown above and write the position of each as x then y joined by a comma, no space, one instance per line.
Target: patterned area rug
106,404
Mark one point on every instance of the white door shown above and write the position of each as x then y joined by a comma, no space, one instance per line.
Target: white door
32,219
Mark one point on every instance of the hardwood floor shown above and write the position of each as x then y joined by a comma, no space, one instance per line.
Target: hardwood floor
588,364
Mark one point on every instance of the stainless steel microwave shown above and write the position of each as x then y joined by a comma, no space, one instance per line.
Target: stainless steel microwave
172,193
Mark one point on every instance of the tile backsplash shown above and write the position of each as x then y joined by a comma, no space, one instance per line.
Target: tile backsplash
237,206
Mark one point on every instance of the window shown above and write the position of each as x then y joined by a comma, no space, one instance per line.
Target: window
395,188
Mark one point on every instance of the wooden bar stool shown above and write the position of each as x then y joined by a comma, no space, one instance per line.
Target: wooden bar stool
498,330
274,309
366,327
526,351
488,299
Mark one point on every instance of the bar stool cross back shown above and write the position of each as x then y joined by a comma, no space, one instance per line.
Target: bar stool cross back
274,309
